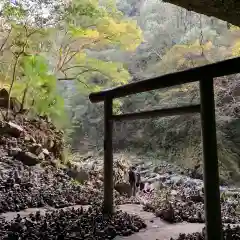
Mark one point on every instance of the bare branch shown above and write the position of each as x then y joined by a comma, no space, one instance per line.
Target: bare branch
73,78
5,41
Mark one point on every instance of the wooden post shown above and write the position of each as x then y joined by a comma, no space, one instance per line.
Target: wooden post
108,158
210,159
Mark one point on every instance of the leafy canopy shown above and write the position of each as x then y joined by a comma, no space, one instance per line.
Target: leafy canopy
90,28
40,50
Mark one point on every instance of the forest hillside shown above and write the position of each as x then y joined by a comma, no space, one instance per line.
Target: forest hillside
54,53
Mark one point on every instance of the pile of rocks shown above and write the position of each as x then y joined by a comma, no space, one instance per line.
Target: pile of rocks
229,233
30,187
29,173
94,164
71,224
188,208
30,178
181,201
31,141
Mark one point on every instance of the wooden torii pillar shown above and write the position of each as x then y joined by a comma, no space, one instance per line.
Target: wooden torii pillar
208,123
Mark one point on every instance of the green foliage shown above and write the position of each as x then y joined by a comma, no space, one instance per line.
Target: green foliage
236,49
117,104
13,11
38,87
97,74
35,56
91,27
173,40
181,57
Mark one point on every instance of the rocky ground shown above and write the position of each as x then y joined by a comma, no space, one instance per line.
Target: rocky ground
31,176
175,195
229,233
170,191
36,187
178,198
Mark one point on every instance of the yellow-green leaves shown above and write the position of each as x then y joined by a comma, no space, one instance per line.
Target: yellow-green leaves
181,57
78,32
34,65
12,11
236,49
234,28
117,104
39,86
124,33
103,24
72,48
96,74
96,28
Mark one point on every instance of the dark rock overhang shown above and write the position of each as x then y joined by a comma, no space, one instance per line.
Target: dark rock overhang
226,10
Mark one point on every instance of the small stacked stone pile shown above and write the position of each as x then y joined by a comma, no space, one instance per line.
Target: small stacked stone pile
31,141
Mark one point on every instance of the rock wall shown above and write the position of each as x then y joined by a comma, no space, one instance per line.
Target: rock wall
31,141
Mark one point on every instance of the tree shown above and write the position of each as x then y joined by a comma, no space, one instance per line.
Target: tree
92,27
64,42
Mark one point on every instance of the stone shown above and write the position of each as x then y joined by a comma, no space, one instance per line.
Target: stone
71,223
50,143
166,214
54,162
36,148
28,158
14,129
78,174
41,156
12,142
153,175
197,198
123,188
14,151
46,152
29,138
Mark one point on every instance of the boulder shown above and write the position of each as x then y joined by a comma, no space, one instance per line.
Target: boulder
166,214
123,188
14,151
36,148
29,138
46,152
41,156
28,158
14,129
14,105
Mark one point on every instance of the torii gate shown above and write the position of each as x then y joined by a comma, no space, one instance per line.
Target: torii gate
206,108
